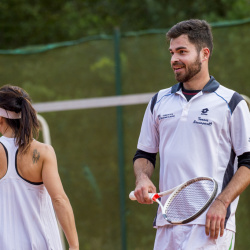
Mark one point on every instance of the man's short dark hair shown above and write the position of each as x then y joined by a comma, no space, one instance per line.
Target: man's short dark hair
198,31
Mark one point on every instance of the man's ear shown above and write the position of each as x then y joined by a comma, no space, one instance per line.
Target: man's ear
205,54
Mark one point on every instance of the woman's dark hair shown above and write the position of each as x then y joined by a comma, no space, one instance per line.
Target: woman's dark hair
13,98
198,31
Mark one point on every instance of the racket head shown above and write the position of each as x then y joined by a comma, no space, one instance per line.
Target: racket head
190,200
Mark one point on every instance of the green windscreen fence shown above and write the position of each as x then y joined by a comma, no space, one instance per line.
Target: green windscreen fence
95,146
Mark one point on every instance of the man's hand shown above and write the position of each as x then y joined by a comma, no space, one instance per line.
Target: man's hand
143,171
143,187
215,219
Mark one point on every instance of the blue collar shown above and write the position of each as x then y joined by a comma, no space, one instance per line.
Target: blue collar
211,86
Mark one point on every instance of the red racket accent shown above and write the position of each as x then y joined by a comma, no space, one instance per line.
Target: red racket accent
155,197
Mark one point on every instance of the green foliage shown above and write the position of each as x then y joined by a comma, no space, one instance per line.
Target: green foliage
25,22
105,68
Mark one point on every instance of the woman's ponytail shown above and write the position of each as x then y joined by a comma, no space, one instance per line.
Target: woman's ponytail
15,99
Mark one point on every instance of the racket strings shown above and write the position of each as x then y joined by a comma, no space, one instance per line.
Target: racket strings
189,200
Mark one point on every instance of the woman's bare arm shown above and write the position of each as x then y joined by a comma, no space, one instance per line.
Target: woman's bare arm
63,209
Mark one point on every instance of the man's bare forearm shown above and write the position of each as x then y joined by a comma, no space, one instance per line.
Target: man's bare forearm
143,168
216,214
236,186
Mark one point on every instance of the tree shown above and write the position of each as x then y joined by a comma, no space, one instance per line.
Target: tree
25,22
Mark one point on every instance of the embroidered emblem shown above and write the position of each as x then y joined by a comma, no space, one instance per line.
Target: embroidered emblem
204,111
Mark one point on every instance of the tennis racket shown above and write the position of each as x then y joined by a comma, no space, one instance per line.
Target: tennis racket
187,201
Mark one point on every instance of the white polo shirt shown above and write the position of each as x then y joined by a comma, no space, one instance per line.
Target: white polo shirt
201,137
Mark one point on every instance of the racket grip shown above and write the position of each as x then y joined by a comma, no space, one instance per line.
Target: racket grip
152,196
132,196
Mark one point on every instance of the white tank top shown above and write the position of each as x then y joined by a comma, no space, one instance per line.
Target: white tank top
27,218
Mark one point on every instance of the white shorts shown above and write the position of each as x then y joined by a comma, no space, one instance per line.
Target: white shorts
191,237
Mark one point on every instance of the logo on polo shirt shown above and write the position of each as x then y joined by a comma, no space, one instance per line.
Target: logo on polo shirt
165,116
202,121
204,111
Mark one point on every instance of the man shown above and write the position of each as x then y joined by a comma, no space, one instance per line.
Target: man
200,128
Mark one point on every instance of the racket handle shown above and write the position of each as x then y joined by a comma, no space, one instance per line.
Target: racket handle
153,196
132,196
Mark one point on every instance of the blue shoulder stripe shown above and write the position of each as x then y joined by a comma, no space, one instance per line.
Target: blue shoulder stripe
232,104
153,102
236,98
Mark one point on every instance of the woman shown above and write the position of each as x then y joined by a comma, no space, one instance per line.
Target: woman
29,181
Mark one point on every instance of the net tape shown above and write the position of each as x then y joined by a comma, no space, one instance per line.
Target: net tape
99,102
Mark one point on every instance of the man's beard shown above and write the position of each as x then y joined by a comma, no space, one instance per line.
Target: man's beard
191,71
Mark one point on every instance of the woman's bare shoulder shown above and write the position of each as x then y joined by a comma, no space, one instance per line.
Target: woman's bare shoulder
42,148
